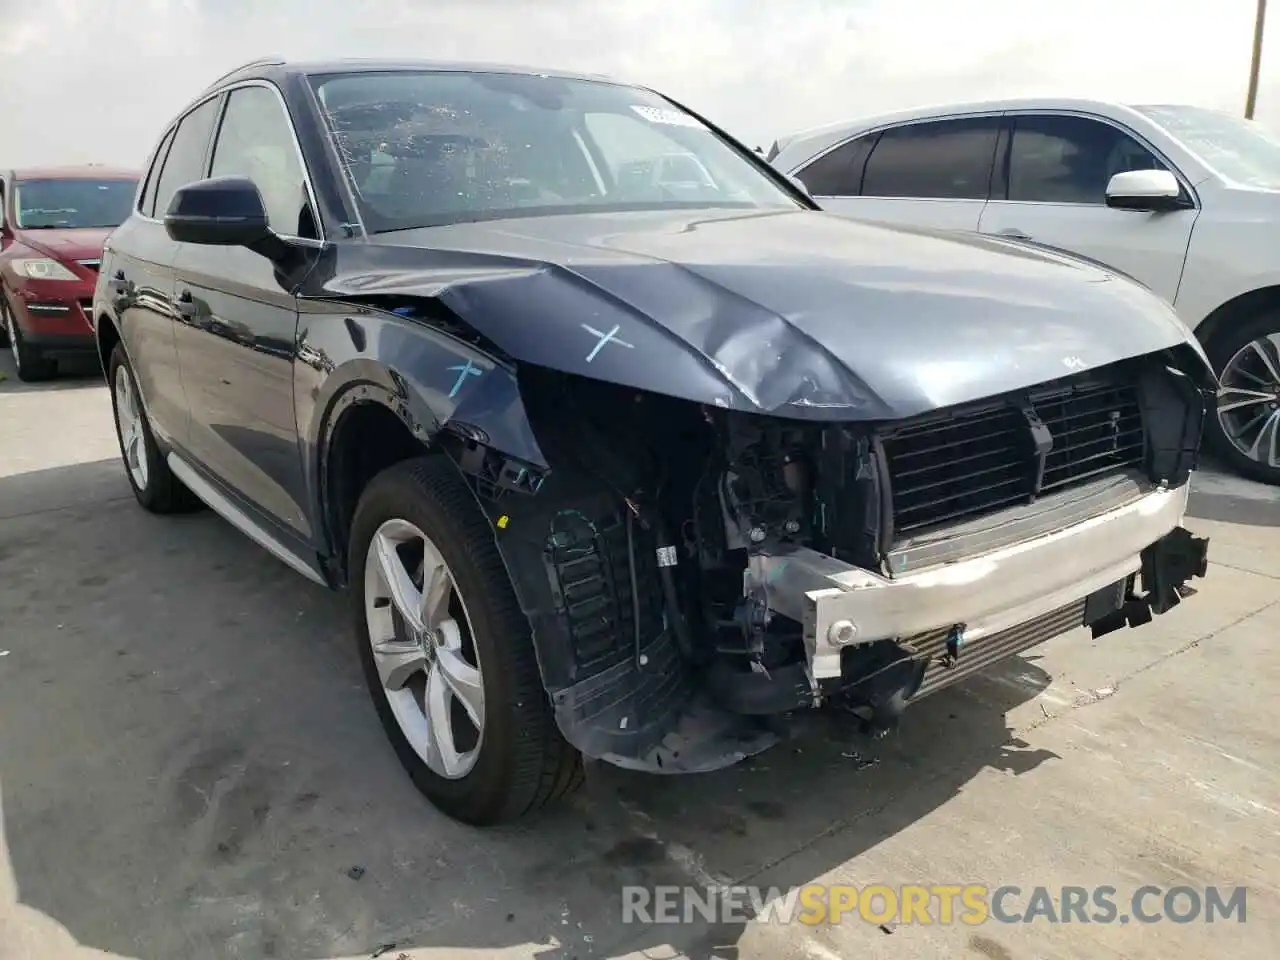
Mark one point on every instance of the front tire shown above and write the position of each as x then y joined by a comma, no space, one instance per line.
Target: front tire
32,367
447,652
1245,427
153,483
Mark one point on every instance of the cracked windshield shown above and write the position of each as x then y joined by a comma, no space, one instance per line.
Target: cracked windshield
431,148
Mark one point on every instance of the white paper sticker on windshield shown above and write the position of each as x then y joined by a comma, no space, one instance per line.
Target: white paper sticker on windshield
672,118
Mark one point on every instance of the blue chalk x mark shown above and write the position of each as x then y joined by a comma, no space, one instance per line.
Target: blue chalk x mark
610,337
464,370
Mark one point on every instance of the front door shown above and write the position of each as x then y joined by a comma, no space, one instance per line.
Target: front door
1058,169
237,322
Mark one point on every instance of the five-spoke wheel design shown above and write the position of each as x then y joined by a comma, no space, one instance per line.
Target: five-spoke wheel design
423,648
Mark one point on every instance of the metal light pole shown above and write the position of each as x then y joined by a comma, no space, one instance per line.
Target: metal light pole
1252,98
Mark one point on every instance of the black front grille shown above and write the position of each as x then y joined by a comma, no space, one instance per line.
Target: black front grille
1094,432
972,463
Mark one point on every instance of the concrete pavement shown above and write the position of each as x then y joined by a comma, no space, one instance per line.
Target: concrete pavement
190,767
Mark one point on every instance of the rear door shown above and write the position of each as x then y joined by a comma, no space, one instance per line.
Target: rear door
139,273
929,173
238,321
1053,190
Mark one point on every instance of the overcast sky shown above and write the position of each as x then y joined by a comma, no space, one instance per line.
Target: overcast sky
97,79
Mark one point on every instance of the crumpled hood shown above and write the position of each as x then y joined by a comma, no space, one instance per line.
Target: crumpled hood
799,314
85,244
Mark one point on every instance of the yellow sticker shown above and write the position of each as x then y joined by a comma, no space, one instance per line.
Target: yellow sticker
503,521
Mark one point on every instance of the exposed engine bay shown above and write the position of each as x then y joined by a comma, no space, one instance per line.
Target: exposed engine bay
688,569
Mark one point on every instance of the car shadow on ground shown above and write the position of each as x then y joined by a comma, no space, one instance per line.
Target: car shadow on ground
73,374
190,766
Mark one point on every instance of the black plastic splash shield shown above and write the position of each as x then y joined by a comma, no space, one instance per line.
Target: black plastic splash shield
1167,565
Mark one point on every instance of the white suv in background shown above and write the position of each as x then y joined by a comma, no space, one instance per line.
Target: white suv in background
1184,200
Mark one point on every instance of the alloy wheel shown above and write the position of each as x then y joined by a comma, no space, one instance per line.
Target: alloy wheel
423,649
1249,401
133,442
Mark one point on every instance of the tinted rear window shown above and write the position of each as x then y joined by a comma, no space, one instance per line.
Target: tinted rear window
839,172
185,162
945,159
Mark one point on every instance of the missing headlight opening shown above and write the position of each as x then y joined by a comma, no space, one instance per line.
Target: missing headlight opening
692,573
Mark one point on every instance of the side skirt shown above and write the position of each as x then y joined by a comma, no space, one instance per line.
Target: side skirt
220,504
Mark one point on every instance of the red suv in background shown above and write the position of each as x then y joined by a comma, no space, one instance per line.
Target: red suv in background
53,223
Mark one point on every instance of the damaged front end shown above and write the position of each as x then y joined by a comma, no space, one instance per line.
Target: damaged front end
692,572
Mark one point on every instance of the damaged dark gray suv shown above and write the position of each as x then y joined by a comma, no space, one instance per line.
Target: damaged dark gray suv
621,447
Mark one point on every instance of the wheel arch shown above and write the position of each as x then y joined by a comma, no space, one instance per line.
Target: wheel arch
375,388
1238,309
107,334
365,432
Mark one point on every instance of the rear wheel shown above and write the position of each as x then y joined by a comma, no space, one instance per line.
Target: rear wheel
447,651
32,367
1246,427
153,483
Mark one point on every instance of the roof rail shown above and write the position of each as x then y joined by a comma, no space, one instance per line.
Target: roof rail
259,62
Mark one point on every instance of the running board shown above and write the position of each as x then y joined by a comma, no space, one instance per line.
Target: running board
219,504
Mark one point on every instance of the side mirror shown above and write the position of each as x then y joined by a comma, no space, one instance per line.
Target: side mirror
223,211
1151,190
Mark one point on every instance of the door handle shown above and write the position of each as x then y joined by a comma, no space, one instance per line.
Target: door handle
1013,233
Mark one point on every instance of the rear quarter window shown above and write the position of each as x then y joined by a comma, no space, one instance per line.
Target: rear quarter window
838,173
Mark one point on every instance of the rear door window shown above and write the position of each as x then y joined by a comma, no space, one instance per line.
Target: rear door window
185,162
942,159
147,204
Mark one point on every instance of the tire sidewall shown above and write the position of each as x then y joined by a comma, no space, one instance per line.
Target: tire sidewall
20,352
146,495
396,495
1219,351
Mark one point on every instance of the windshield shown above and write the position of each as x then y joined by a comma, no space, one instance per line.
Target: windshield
70,204
430,148
1241,150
